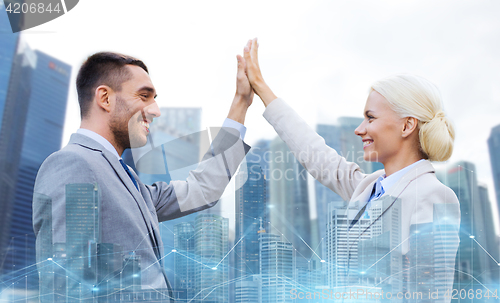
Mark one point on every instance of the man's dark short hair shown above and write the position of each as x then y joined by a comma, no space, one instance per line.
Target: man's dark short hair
104,68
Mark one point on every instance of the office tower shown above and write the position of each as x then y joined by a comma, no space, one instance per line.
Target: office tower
307,274
33,97
251,209
494,147
472,262
173,149
289,199
261,153
276,267
42,136
109,262
49,257
92,269
384,240
82,236
212,268
492,247
16,66
339,244
248,290
446,241
131,274
184,270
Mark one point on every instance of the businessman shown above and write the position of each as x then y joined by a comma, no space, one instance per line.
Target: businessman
117,104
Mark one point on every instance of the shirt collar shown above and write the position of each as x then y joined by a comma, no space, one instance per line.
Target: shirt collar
100,139
388,182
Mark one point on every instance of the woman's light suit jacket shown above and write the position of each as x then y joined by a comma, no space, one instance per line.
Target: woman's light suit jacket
421,214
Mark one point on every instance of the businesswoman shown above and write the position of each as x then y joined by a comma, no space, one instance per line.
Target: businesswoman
404,128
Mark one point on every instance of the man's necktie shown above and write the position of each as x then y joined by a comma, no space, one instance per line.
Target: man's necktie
125,167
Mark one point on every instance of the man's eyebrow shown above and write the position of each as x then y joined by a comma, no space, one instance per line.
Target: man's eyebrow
148,89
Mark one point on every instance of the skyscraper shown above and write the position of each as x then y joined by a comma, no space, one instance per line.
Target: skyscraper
248,290
82,236
212,268
251,207
33,97
289,199
261,153
15,75
341,250
276,267
184,270
494,147
492,246
472,262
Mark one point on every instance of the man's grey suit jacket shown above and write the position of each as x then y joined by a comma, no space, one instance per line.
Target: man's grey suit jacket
127,217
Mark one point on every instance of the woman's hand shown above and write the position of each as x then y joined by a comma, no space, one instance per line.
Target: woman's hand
254,74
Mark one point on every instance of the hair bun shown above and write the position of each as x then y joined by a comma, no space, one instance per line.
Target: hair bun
439,114
436,137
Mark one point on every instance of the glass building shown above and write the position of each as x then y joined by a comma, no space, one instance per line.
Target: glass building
212,269
15,75
277,268
261,153
251,208
82,236
33,97
472,263
494,147
289,199
184,264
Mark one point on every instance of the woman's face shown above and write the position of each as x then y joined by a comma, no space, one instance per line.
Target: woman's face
381,130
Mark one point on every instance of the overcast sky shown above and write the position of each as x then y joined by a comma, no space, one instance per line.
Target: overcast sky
320,56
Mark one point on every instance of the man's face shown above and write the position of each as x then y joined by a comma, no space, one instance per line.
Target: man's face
135,108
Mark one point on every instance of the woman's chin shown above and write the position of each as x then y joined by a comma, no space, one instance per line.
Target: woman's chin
371,156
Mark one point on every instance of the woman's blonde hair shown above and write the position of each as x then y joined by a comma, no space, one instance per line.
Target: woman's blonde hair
413,96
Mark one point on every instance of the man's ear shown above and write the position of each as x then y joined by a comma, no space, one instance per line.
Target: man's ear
103,97
409,126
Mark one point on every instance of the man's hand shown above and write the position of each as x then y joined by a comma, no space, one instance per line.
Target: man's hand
244,94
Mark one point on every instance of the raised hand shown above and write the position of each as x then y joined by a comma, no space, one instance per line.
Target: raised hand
243,87
244,94
254,74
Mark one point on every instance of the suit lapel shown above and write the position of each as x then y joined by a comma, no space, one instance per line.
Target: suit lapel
87,142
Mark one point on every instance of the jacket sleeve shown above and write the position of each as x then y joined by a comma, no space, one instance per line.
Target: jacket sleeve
205,185
310,149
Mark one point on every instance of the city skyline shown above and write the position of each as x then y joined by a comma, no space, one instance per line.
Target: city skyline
326,77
